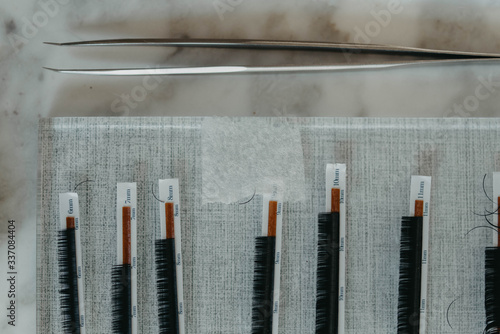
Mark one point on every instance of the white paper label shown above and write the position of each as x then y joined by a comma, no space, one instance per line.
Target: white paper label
126,195
69,207
336,178
421,190
169,193
275,196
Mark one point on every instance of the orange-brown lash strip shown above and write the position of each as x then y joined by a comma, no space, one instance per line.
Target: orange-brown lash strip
169,219
335,205
70,222
271,218
419,208
126,235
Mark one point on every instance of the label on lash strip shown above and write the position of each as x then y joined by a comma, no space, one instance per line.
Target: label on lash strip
267,198
126,196
496,194
69,207
421,190
169,193
336,178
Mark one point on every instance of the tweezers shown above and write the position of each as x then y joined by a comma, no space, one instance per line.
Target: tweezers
435,56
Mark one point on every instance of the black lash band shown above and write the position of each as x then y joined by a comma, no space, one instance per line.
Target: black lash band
263,285
410,275
166,286
492,289
327,283
68,279
121,276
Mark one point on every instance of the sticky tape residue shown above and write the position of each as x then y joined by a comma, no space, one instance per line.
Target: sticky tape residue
246,155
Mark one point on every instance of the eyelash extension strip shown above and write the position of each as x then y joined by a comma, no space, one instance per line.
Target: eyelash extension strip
266,283
330,285
413,259
124,273
70,265
169,261
492,269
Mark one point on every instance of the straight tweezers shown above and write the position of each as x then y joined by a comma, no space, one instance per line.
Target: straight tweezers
437,56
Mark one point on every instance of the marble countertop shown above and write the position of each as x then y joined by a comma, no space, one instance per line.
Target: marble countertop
28,92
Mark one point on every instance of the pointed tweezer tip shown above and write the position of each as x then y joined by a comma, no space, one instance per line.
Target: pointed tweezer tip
52,43
51,69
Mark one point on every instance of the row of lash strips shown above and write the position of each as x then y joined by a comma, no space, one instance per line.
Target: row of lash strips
124,272
168,257
331,264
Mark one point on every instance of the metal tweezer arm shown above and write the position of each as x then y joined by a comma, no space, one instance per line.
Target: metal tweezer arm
439,56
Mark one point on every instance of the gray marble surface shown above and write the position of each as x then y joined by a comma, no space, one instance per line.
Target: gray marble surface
27,92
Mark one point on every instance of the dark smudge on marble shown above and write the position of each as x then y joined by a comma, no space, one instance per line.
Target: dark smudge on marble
10,26
464,28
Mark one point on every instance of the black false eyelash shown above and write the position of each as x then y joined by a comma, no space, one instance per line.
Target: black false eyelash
263,285
410,269
121,276
327,284
492,290
166,285
68,279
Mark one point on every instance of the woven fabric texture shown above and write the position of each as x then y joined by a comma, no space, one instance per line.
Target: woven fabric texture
218,239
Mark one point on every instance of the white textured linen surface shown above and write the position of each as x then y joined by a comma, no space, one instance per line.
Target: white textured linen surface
218,239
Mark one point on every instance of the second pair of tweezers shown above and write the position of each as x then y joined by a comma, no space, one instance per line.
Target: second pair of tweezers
434,56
